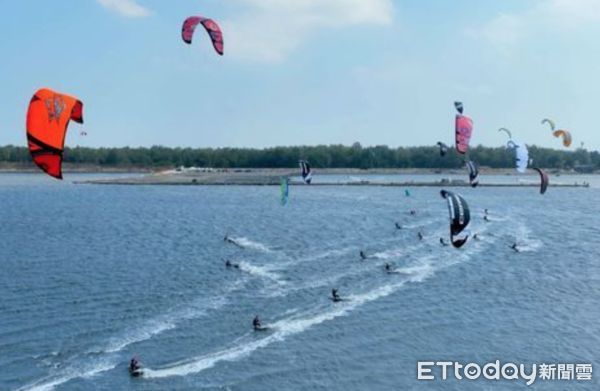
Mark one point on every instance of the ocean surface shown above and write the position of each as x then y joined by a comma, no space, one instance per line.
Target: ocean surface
93,275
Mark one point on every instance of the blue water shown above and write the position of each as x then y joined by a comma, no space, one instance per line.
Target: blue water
92,275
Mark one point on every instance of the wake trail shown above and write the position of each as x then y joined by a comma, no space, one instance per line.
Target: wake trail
282,329
525,241
262,272
296,324
90,370
105,358
244,242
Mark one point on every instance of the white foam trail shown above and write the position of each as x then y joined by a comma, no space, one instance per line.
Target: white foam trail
331,279
152,328
389,254
282,329
419,223
262,272
247,243
329,253
524,241
50,382
417,273
162,323
346,249
295,325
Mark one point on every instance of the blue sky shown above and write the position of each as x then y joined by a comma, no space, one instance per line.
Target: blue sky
306,71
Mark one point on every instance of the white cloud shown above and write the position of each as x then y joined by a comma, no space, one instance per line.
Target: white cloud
268,30
571,13
128,8
507,31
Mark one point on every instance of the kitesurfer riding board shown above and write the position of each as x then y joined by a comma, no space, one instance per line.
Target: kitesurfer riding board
135,368
335,297
229,264
257,325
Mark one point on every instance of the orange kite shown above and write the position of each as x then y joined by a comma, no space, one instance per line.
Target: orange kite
48,117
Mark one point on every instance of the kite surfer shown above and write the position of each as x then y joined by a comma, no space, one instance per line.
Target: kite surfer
388,268
443,242
398,226
230,240
257,325
335,297
228,264
420,234
514,247
135,369
363,256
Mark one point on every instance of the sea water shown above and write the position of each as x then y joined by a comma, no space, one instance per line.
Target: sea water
94,275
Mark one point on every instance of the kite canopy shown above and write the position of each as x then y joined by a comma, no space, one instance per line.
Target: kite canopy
473,173
506,131
306,171
459,107
521,155
566,136
544,180
549,122
48,117
443,148
463,130
211,27
285,190
459,216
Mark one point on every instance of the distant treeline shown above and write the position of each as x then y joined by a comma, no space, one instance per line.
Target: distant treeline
323,156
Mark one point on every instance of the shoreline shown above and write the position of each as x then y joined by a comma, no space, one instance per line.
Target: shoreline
285,171
272,177
337,184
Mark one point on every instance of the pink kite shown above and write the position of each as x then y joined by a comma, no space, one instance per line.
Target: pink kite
464,128
212,28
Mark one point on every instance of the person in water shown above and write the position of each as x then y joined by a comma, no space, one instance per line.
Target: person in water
134,365
363,256
227,239
334,295
514,247
486,218
228,264
256,323
443,242
413,212
475,237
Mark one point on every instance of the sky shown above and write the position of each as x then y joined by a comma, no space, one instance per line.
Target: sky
305,72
